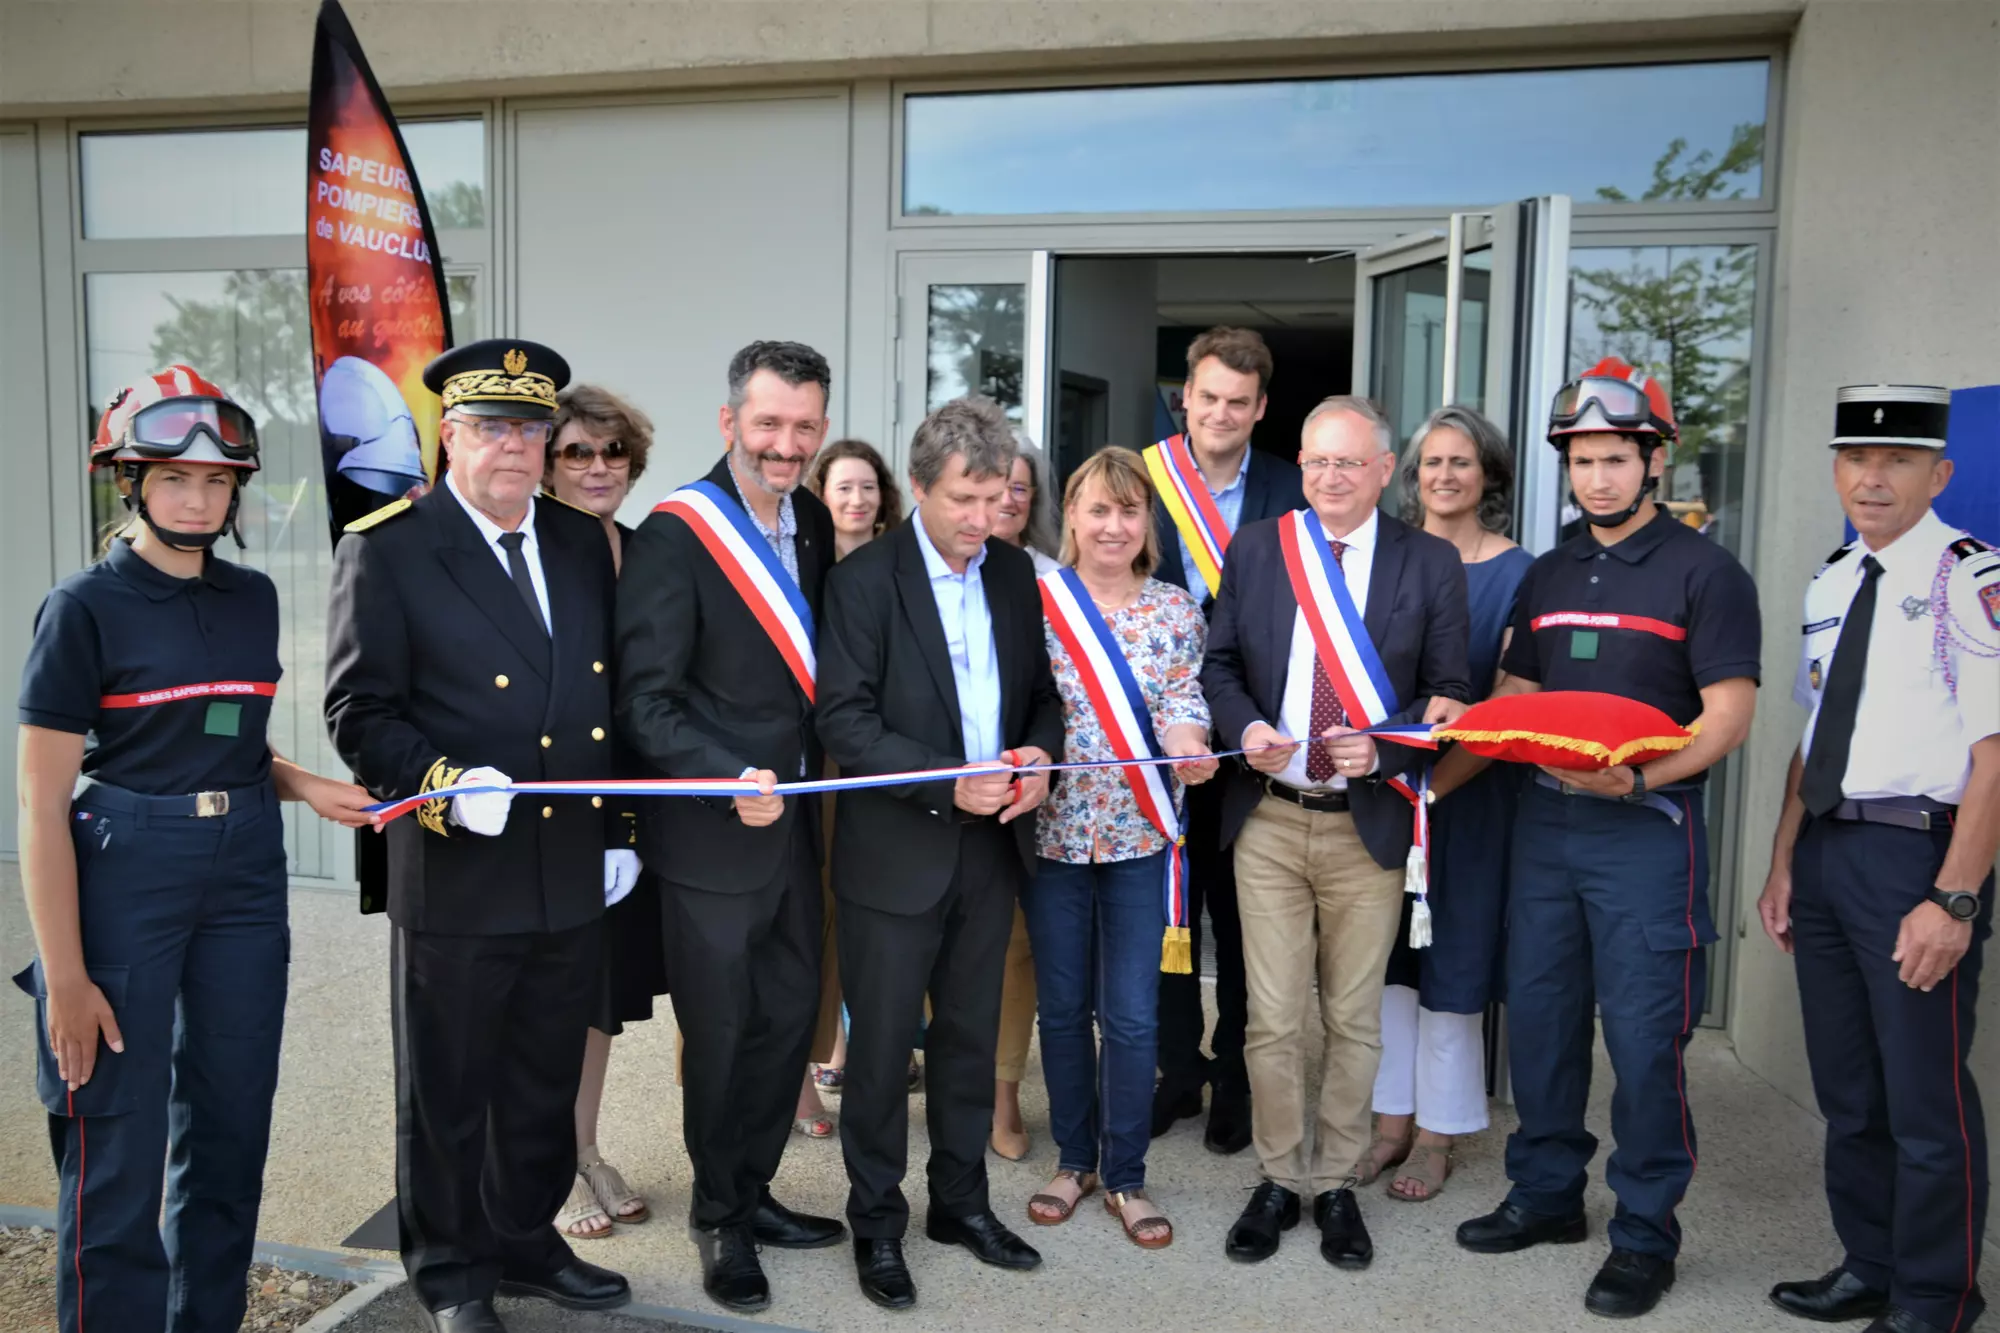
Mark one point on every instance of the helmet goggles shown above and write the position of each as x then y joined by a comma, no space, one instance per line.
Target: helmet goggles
170,427
1620,405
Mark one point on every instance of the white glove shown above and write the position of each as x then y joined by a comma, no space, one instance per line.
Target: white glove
621,872
484,813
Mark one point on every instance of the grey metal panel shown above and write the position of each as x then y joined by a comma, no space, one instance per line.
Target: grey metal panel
25,502
652,240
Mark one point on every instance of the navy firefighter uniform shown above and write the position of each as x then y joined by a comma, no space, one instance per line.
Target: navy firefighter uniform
180,893
1610,896
1900,668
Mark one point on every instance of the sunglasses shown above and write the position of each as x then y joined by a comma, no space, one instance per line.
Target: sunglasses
165,429
580,456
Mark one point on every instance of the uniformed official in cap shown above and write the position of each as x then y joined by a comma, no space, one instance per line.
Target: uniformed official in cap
471,641
1881,882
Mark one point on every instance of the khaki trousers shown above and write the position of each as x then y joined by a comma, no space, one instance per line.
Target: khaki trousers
1017,1005
1310,896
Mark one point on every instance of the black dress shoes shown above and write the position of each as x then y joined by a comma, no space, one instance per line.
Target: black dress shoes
986,1236
1343,1236
1171,1104
1254,1237
1833,1299
885,1278
1629,1284
731,1272
1509,1228
471,1317
1228,1123
577,1285
779,1227
1897,1320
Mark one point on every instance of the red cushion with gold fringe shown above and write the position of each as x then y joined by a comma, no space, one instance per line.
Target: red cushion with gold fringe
1577,729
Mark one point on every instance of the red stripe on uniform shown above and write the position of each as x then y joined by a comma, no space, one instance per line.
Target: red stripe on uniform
1608,620
147,698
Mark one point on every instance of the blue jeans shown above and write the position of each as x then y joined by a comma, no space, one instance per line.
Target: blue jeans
1096,936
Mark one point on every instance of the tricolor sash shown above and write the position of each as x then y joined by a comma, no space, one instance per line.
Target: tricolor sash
753,569
1185,493
1341,642
1121,710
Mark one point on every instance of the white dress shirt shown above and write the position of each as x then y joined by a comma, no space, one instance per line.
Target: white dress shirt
530,550
968,635
1295,713
1930,691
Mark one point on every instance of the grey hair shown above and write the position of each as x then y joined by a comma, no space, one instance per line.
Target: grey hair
1354,404
1496,466
973,428
794,363
1041,530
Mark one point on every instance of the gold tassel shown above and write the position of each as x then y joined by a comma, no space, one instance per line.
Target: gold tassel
1177,950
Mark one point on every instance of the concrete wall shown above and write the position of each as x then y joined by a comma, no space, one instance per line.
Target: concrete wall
55,56
1106,314
1886,271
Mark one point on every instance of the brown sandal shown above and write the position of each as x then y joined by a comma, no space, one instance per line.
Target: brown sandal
1114,1203
1371,1166
1429,1166
1086,1183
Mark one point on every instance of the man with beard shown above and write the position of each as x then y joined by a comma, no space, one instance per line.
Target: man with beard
716,679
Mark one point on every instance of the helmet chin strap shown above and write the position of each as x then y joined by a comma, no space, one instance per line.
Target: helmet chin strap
1629,512
187,541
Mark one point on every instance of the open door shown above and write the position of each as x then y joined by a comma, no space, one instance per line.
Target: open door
1475,314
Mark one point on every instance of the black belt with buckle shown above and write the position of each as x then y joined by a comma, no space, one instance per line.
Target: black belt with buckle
1319,802
1911,812
194,805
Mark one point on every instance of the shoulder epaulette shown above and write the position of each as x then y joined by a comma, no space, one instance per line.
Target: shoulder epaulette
1967,547
382,515
1839,554
557,499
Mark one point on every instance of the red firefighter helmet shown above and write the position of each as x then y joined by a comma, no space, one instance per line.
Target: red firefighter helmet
1612,397
175,413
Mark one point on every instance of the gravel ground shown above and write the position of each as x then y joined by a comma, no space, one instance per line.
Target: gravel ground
280,1301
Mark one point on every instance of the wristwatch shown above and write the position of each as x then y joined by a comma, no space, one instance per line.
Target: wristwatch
1638,792
1962,906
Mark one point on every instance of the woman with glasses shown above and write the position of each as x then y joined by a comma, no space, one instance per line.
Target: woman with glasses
1096,908
1025,521
1457,478
153,861
598,450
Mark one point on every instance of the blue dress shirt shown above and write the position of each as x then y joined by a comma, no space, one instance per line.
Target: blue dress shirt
1230,501
968,635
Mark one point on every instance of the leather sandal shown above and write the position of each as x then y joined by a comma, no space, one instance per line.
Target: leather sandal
1429,1166
814,1126
1114,1203
582,1207
1061,1208
611,1190
1376,1160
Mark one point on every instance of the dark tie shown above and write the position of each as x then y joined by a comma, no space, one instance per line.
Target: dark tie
1826,764
517,569
1326,707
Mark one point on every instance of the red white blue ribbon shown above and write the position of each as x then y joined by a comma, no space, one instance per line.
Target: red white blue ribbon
1121,710
753,569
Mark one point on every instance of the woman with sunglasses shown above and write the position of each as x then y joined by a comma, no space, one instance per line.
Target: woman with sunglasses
598,450
153,858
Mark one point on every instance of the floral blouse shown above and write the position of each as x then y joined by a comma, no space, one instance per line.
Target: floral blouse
1091,814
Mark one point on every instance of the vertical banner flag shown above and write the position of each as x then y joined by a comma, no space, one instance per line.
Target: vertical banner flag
376,293
375,283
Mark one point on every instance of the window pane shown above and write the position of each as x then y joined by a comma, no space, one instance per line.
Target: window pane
252,182
247,331
977,331
1681,131
1683,313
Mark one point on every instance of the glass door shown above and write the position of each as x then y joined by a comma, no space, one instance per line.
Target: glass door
1473,314
962,327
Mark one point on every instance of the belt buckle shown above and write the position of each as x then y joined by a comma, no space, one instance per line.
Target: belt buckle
210,804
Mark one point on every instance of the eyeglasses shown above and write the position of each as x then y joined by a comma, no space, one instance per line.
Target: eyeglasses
1346,467
581,456
498,430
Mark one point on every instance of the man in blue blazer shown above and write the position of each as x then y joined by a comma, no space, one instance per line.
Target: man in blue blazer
1319,834
1229,377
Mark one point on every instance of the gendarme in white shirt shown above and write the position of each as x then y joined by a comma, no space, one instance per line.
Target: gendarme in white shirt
1932,686
1295,713
530,549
